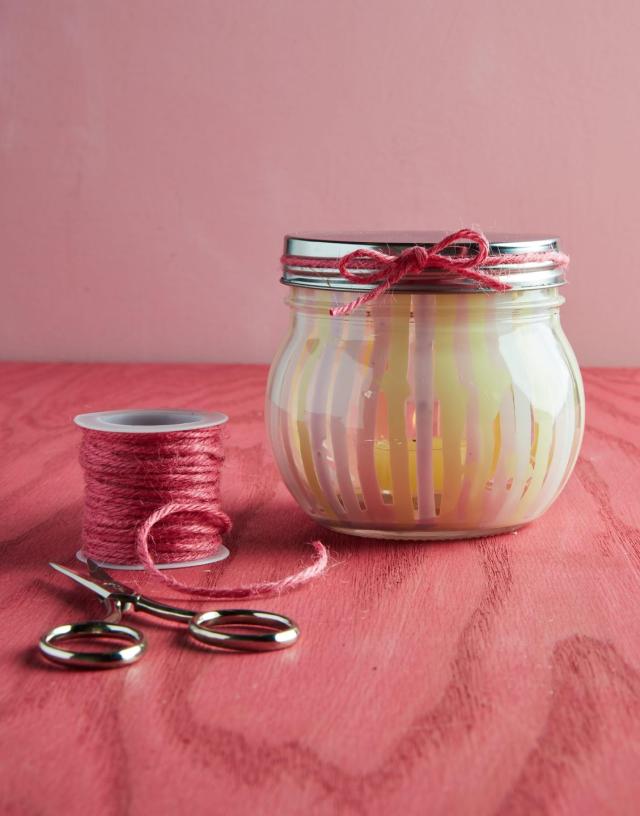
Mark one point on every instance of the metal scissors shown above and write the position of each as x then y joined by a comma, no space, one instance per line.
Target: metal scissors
119,599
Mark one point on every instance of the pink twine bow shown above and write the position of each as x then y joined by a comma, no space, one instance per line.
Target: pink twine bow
389,269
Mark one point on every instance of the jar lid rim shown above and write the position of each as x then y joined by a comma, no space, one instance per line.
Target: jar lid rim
329,245
336,244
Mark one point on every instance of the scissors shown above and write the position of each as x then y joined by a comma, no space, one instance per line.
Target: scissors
120,599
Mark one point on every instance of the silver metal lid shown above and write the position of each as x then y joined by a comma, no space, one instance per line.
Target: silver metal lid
530,275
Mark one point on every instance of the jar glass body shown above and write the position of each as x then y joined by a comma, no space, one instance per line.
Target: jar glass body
426,416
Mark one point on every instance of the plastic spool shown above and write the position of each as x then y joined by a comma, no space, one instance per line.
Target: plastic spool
153,420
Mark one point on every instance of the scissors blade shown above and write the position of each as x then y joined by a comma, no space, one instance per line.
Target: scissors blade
107,580
99,589
103,585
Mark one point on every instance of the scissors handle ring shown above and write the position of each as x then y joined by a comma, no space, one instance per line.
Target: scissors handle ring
96,629
284,632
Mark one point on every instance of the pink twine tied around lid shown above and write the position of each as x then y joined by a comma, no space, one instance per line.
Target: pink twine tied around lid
154,498
387,270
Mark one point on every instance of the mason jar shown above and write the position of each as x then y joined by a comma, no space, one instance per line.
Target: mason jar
438,409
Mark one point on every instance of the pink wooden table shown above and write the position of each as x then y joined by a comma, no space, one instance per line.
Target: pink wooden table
495,676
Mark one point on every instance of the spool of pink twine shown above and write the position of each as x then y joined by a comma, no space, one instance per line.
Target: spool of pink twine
154,498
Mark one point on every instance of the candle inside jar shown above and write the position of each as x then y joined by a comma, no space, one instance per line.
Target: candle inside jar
382,459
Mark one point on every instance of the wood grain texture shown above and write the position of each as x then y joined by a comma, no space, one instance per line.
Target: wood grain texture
495,676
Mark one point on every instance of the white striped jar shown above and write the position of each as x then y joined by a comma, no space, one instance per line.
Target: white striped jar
438,410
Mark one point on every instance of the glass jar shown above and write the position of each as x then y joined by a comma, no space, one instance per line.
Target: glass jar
439,409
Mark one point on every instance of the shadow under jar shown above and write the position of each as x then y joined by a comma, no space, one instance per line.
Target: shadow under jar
438,410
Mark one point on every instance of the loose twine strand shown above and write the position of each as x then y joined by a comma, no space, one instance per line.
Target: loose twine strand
387,270
155,499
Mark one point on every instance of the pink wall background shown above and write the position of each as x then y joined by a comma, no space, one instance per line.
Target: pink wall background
153,153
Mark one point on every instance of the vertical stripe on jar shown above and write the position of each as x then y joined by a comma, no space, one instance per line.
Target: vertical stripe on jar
498,489
503,455
316,340
576,397
396,389
424,319
346,389
321,385
452,407
379,333
489,382
525,432
563,433
282,427
465,341
551,394
561,415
